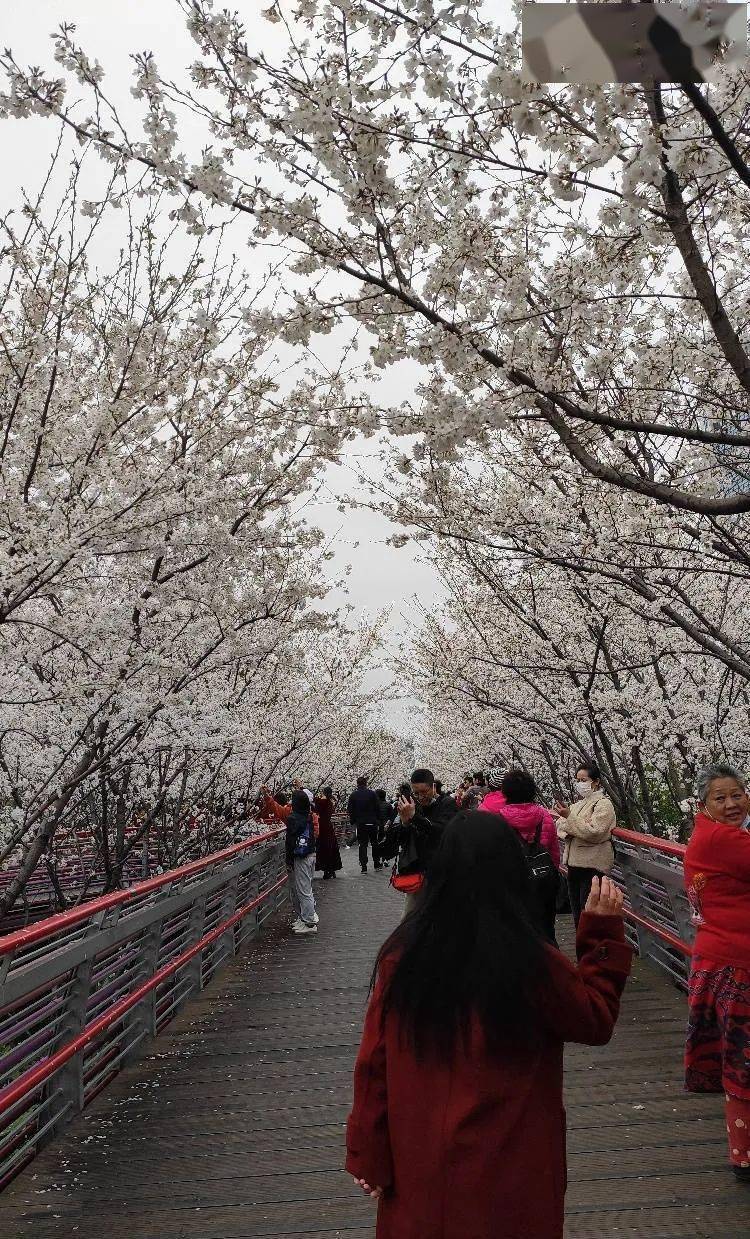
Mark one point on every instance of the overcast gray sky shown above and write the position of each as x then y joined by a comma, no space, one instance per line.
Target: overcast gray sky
381,577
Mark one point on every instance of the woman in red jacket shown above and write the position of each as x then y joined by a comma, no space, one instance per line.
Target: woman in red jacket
458,1127
717,879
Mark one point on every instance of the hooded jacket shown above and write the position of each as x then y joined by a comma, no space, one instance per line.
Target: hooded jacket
493,802
525,818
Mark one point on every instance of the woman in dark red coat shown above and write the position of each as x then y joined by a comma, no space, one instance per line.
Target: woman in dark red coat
327,854
458,1127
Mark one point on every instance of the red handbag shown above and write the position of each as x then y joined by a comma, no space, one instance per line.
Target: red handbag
406,883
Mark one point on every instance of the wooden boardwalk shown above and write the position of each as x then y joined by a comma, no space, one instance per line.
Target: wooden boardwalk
233,1126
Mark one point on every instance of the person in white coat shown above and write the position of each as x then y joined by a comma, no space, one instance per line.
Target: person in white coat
585,829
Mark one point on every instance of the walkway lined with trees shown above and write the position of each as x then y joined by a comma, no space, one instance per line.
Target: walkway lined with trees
216,286
233,1123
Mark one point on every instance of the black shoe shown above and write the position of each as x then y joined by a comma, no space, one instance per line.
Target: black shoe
742,1173
364,868
378,866
326,876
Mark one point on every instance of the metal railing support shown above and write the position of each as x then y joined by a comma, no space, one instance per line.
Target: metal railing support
142,1019
227,943
69,1081
192,972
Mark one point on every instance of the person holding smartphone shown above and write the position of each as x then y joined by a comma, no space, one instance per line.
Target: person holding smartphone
585,828
392,833
423,816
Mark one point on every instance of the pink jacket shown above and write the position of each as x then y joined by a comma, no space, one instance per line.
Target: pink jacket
525,818
493,802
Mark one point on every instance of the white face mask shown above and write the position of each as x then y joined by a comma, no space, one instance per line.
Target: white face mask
583,789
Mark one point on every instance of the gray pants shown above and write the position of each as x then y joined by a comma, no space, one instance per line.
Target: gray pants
301,887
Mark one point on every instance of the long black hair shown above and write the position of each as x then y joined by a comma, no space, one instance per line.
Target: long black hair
470,945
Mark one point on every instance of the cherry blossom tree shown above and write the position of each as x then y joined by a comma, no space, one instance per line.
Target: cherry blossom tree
568,254
565,264
159,572
548,653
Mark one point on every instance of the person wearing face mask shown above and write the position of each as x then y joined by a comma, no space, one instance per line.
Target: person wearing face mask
717,881
585,828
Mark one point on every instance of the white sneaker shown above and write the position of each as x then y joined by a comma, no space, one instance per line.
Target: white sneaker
305,929
298,922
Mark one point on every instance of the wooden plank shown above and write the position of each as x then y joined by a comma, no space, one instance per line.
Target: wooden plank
232,1126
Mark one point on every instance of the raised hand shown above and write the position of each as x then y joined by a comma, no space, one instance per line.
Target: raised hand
605,898
405,809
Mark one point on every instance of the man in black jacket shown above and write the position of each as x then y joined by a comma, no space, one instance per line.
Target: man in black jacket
423,819
364,815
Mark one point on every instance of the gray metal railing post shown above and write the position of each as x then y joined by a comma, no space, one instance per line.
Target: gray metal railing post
227,943
69,1080
141,1022
681,913
248,927
196,924
283,893
628,866
260,912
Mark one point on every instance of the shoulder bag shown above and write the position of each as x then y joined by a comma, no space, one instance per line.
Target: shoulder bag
543,872
407,883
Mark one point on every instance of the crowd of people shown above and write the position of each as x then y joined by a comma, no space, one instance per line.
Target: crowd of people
472,1001
407,828
575,837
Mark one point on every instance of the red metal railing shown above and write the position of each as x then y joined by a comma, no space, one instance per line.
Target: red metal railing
81,991
665,846
52,925
649,869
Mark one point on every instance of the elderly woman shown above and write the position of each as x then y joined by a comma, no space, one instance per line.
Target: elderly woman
585,827
717,880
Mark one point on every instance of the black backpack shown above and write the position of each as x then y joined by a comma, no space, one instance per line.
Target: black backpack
545,878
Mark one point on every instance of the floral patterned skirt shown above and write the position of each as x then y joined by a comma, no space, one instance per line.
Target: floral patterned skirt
717,1053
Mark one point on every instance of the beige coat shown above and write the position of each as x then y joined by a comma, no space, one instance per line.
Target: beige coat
588,827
